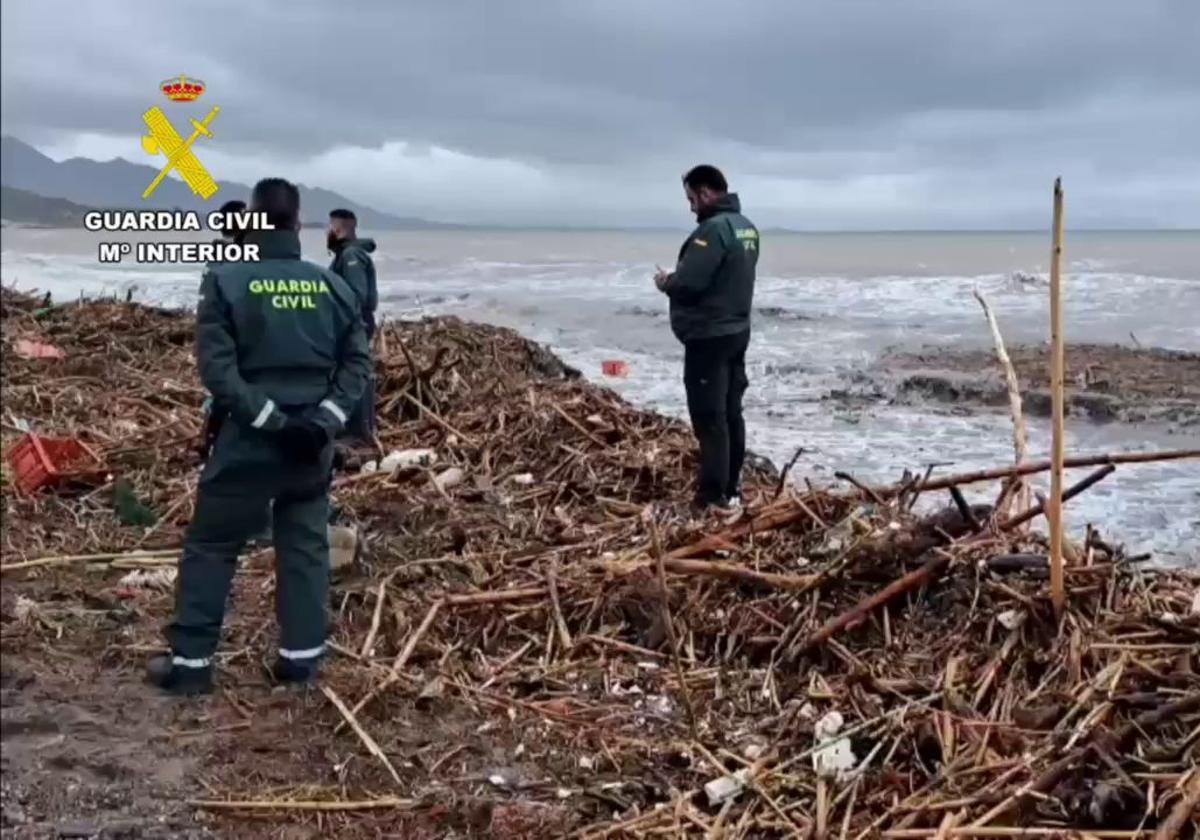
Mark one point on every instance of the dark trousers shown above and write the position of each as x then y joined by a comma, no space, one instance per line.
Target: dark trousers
245,472
361,426
714,374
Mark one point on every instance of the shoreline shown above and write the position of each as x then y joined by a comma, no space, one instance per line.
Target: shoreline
517,589
1106,383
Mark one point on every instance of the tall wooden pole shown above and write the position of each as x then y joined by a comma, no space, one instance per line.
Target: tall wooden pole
1057,593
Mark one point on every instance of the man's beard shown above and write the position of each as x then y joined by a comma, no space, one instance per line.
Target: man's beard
331,241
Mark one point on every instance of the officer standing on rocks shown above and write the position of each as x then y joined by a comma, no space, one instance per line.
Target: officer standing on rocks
711,292
352,262
282,348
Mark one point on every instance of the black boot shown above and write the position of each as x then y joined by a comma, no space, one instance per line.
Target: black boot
295,671
179,679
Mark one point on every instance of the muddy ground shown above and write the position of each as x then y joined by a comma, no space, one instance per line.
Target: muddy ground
1105,383
90,751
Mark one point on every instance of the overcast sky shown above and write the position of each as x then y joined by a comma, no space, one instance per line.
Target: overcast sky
838,114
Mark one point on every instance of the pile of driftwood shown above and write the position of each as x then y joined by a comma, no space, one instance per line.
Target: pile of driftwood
538,639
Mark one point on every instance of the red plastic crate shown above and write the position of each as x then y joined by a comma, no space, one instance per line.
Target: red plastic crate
43,462
614,367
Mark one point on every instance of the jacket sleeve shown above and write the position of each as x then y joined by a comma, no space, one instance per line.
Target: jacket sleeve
372,293
702,256
359,278
216,354
349,380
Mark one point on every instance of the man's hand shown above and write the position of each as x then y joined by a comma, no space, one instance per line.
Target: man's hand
302,441
661,278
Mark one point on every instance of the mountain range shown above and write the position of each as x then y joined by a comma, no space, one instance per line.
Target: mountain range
118,184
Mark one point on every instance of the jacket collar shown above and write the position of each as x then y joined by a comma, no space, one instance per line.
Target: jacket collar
728,203
275,244
367,245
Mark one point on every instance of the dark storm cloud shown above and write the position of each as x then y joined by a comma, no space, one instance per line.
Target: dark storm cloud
605,92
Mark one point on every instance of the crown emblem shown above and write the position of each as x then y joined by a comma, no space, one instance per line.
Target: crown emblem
182,89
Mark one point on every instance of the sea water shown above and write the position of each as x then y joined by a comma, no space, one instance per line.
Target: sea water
827,306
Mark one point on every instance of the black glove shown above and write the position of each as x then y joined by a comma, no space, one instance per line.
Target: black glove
302,441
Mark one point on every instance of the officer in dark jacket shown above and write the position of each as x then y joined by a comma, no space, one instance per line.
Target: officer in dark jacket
231,234
281,346
352,262
711,291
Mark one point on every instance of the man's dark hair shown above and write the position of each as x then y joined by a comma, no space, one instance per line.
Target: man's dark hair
279,200
706,176
228,208
343,213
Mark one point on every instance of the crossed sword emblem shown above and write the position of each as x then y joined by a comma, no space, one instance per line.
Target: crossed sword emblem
164,138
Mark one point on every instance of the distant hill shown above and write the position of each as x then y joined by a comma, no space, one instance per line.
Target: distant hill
118,184
30,208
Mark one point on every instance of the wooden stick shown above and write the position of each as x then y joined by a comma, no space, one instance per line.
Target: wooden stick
362,734
1014,387
791,510
669,626
1073,491
1041,466
498,596
822,827
1001,831
729,571
564,635
1054,514
775,517
89,558
759,766
285,805
931,569
411,644
1184,809
438,419
398,665
1054,773
949,820
576,424
166,517
380,597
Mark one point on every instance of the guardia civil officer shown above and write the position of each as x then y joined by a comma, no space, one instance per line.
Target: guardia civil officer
281,347
711,291
352,262
231,234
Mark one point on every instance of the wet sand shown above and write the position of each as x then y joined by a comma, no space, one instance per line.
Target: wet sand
1105,383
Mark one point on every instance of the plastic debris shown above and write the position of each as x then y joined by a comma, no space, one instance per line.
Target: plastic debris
1011,619
725,788
450,478
523,478
24,609
405,458
660,705
343,547
505,777
753,751
45,462
836,760
158,579
27,349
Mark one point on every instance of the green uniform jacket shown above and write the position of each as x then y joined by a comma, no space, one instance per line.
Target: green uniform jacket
352,262
279,336
712,287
